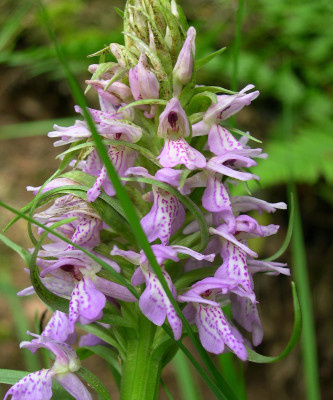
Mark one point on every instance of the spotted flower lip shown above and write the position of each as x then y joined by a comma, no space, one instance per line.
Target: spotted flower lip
166,216
215,331
177,152
58,328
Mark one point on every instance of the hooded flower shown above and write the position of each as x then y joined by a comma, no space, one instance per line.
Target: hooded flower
154,303
215,331
225,107
174,128
38,385
74,275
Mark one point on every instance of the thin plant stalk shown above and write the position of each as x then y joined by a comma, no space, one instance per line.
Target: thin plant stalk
300,272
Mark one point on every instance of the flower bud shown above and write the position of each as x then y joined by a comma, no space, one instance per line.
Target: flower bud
143,83
173,121
124,57
116,93
182,72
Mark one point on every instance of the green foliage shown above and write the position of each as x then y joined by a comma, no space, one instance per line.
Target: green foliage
76,27
305,157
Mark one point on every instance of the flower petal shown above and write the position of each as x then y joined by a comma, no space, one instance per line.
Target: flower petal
73,386
246,314
87,233
37,386
166,216
215,331
234,267
155,304
58,327
86,302
220,140
178,151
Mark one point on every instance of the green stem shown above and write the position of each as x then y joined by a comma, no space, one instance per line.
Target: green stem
308,338
141,371
300,272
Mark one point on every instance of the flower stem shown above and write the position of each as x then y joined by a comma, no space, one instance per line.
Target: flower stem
141,371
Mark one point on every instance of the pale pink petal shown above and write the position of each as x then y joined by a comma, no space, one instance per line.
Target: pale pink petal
220,140
73,386
155,304
36,386
215,331
178,151
86,302
166,216
234,267
246,314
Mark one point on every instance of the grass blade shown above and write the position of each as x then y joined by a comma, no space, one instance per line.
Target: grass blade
308,338
30,129
20,320
186,384
258,358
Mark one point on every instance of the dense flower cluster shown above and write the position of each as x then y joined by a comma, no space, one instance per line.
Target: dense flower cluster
165,123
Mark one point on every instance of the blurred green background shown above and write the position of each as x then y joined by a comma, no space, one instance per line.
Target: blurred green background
285,51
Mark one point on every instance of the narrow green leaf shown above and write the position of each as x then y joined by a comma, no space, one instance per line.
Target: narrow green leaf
144,102
94,382
213,89
190,277
287,239
104,334
308,339
101,69
119,11
258,358
18,249
101,52
204,60
167,391
108,354
231,128
12,25
186,382
30,129
20,319
200,102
